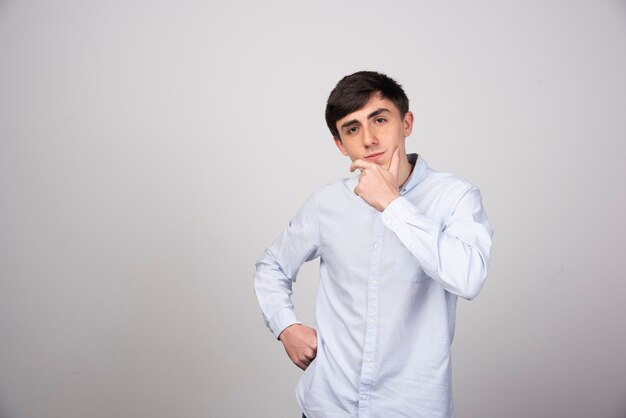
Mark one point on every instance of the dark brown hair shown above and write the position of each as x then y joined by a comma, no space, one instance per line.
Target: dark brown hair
354,90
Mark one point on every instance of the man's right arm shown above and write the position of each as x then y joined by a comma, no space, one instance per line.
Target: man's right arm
275,273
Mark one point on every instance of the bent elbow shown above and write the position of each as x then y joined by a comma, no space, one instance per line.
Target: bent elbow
473,275
472,288
466,282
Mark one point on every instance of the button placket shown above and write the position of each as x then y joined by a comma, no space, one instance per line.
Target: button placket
368,364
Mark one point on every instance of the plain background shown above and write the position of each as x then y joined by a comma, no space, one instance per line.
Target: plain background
150,151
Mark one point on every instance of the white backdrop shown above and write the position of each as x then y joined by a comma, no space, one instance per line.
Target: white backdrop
150,150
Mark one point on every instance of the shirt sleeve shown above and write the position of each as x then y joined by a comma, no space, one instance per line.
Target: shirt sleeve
277,269
454,253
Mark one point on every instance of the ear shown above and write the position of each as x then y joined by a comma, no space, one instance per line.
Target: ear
408,123
339,144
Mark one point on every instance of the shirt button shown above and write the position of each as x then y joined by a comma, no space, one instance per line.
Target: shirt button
373,282
365,396
376,245
367,359
371,321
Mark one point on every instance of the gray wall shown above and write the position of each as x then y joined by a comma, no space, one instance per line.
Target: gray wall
150,150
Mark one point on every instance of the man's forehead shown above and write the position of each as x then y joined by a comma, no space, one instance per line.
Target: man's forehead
375,102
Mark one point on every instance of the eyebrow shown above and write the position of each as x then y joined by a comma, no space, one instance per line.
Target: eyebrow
377,112
370,116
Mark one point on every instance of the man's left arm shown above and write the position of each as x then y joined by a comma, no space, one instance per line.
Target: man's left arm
455,253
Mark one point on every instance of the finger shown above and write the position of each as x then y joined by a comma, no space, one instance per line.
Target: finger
354,167
361,165
305,361
394,165
308,360
301,361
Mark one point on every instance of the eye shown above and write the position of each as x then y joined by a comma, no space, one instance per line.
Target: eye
380,120
352,130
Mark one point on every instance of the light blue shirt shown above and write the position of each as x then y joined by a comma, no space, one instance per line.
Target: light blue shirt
386,301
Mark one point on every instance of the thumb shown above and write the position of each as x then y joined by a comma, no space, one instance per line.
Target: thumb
394,165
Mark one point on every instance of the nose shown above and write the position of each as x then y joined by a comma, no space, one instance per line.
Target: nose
369,137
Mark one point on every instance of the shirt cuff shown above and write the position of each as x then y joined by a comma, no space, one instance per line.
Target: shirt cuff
402,210
281,320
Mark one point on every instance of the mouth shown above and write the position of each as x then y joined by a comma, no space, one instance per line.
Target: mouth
375,156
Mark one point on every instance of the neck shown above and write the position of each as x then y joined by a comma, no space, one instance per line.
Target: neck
404,171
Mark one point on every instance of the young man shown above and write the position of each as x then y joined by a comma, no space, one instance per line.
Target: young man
398,243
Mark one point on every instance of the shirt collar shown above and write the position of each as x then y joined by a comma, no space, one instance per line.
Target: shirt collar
420,169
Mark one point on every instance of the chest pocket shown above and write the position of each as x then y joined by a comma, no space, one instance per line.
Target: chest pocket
407,267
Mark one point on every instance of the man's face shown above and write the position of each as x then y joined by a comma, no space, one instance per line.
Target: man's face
374,131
